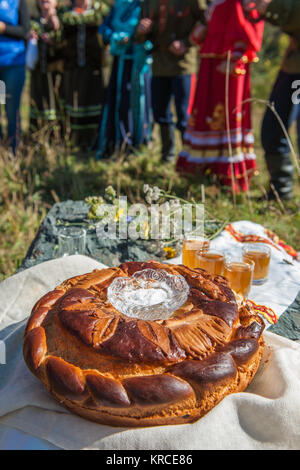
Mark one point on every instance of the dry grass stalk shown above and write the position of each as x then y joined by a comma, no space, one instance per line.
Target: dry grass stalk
228,127
271,106
277,197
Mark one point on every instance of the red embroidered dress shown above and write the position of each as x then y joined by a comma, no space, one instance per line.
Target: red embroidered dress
206,147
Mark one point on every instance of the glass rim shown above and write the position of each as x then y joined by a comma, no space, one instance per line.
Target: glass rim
213,252
191,239
258,246
71,232
229,261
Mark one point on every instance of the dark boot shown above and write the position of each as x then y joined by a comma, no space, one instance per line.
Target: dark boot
182,133
281,174
168,143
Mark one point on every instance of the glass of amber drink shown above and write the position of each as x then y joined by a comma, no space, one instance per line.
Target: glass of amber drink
211,261
239,274
190,248
260,253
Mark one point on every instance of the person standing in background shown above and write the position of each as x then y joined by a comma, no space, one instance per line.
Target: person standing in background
286,15
168,24
14,28
46,77
126,120
213,143
83,78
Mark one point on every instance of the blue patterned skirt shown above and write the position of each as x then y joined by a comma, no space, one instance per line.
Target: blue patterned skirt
126,118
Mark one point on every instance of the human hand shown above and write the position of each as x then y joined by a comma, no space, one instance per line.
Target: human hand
199,34
47,8
145,26
2,27
33,35
120,38
46,38
55,22
223,67
259,5
177,48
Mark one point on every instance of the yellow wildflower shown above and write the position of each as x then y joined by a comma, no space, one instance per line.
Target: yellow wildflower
146,229
170,252
119,214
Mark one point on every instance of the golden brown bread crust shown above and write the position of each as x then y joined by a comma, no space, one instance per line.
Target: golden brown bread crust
122,371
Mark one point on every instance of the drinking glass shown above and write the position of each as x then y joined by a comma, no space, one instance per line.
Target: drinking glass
260,253
190,248
239,274
71,241
211,261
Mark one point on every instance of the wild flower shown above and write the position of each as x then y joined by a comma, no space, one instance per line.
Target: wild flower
110,194
119,214
170,252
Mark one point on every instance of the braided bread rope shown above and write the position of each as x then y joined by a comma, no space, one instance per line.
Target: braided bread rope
122,371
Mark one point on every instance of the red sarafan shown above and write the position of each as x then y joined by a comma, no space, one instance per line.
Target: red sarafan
123,371
219,139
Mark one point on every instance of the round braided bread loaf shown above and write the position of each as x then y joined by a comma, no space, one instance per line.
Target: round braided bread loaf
123,371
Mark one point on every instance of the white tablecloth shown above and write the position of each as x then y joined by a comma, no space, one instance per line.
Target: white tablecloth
284,280
266,416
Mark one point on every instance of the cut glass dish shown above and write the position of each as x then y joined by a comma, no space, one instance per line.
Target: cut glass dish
151,294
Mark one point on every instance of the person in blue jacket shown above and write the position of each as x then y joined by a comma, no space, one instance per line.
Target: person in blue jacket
126,117
14,27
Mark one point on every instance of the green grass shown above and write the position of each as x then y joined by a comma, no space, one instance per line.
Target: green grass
45,172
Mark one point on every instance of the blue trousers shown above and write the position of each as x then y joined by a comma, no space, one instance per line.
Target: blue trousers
164,89
14,79
275,144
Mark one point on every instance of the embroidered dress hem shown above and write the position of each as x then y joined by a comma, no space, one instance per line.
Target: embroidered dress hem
235,172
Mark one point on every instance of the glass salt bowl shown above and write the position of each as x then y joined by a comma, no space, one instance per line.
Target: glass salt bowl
150,294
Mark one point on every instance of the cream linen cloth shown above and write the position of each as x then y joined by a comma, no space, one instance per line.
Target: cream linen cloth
266,416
